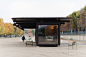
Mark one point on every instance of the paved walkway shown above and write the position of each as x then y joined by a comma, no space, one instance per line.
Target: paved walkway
14,47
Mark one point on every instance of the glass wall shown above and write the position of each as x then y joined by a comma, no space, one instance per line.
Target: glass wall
48,34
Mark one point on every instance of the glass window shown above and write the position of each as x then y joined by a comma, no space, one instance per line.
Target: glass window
48,34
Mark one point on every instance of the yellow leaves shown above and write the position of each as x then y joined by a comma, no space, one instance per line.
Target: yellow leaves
19,31
8,28
0,20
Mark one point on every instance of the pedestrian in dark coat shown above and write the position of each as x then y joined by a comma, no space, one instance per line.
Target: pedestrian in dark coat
23,38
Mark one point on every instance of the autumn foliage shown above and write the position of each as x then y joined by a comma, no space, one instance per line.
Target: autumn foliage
9,29
77,23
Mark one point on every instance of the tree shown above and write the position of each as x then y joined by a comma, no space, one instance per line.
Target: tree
82,19
18,31
85,15
74,21
9,29
1,27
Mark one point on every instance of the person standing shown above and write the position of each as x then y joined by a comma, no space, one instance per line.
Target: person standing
23,38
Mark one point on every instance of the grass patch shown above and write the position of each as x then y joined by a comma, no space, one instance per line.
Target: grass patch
71,38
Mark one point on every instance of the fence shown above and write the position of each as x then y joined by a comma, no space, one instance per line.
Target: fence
73,32
9,36
81,37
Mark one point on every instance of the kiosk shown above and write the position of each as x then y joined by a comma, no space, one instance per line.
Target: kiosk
47,29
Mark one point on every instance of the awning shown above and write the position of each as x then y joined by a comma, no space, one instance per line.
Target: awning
30,22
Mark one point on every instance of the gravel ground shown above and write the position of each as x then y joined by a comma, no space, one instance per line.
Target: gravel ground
14,47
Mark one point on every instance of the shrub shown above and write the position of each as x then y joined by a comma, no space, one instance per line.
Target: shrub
61,38
71,39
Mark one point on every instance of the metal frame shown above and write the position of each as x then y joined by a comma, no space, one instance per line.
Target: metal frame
47,23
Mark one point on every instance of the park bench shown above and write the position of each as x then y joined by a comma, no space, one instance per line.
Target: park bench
73,43
30,42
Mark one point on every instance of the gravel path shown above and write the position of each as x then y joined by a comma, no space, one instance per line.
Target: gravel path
14,47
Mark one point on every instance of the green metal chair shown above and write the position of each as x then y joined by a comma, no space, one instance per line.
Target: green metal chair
73,43
30,42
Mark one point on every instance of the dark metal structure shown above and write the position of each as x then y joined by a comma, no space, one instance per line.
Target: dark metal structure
43,36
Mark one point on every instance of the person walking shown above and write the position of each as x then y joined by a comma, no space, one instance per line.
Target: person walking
23,38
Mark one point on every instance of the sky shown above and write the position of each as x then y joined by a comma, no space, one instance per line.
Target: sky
38,8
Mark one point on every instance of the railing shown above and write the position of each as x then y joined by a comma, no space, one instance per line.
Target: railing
73,33
9,36
79,35
74,37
